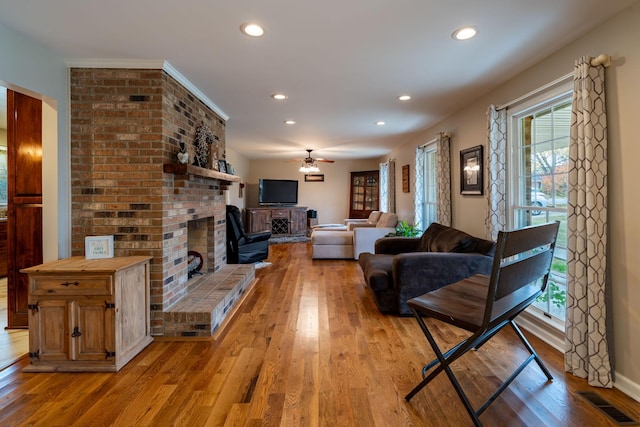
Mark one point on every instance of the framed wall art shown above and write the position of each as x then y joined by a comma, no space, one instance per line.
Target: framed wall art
314,177
405,179
471,178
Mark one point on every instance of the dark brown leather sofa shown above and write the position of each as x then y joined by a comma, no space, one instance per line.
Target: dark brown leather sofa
403,268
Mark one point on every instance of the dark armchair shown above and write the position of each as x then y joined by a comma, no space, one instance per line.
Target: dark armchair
243,248
403,268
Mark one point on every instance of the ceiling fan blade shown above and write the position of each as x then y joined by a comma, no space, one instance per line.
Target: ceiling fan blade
324,160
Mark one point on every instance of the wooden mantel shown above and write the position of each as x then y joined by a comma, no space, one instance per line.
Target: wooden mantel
180,169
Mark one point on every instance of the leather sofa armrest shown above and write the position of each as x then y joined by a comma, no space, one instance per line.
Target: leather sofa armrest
397,245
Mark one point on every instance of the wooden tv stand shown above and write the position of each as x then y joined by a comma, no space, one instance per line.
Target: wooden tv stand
280,220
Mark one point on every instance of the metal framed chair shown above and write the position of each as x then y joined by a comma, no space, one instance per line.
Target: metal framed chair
483,305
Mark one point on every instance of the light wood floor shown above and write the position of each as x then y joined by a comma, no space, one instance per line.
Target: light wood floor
14,343
307,347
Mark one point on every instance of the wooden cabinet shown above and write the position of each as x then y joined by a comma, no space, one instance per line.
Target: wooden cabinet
364,193
88,315
281,221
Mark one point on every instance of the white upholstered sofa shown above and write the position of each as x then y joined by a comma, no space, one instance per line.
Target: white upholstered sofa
331,243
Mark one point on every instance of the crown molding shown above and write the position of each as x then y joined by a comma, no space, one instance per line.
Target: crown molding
148,64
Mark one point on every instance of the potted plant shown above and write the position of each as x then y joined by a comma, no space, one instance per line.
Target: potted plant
404,229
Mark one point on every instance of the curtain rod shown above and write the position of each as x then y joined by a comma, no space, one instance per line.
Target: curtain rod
603,59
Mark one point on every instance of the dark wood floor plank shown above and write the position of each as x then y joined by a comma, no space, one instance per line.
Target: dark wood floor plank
306,347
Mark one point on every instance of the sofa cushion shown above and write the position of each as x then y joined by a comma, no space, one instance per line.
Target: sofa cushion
387,220
440,238
374,216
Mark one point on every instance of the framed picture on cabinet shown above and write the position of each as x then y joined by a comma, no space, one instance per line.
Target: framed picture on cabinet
97,247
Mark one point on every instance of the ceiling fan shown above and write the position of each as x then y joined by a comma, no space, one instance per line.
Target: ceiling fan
309,164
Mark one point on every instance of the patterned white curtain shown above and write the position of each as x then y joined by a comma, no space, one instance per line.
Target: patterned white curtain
443,179
418,196
388,186
587,353
496,171
443,182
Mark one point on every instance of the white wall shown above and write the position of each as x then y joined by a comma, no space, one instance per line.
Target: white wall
330,198
241,166
29,68
617,37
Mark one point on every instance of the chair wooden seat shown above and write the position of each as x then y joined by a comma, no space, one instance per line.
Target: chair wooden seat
483,305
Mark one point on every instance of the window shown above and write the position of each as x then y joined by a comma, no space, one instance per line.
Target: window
426,193
538,178
430,194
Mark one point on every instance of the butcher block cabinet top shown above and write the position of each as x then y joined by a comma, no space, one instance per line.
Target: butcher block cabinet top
88,315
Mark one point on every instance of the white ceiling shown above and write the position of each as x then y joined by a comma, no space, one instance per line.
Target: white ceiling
341,62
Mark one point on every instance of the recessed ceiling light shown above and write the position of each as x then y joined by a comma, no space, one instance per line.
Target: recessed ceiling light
290,122
381,123
252,29
279,96
404,97
464,33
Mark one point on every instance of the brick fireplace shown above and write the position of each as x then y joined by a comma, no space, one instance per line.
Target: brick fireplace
126,126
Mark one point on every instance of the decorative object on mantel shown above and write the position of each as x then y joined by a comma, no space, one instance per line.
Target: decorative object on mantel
183,155
222,166
202,141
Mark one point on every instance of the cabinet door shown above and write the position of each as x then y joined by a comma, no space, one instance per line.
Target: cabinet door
298,221
259,220
93,327
49,330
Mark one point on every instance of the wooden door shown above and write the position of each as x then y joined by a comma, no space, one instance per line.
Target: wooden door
364,193
24,192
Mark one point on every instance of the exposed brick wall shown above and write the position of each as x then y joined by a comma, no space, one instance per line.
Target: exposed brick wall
125,124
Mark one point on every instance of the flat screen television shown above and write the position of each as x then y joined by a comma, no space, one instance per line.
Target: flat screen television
278,192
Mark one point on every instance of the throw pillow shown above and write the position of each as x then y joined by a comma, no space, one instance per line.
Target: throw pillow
440,238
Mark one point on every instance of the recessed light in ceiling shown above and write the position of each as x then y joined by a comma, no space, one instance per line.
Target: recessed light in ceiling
279,96
464,33
252,29
289,122
381,123
404,97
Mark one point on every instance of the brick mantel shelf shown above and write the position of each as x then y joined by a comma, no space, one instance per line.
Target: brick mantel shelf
180,169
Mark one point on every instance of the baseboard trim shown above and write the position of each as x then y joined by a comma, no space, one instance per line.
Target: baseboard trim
555,338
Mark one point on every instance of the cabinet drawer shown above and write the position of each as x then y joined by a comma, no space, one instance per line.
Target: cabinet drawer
279,213
69,285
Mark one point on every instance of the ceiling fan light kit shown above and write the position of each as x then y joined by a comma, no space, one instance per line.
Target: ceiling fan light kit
309,164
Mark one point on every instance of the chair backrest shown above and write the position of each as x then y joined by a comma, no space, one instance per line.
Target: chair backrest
234,223
520,271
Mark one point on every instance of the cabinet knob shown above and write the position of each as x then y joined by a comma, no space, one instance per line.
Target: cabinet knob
76,332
